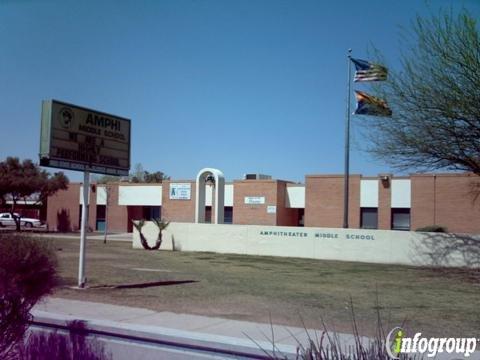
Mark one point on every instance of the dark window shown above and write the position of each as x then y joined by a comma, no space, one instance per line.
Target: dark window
101,212
228,214
369,218
156,212
400,219
208,214
100,223
301,217
152,212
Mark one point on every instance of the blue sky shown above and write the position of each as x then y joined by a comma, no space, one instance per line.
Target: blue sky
243,86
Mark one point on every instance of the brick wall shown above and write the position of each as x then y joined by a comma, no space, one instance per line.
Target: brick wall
63,209
178,210
384,202
324,201
117,216
285,216
254,213
451,200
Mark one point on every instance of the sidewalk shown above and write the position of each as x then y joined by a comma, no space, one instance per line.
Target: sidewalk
189,330
133,333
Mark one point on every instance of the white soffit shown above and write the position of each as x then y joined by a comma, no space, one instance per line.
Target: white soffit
295,197
401,193
140,195
369,193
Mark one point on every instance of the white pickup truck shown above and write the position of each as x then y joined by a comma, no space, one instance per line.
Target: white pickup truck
6,219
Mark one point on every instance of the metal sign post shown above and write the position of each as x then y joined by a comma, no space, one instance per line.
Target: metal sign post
83,233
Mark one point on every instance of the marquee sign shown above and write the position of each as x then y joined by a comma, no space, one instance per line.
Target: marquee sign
76,138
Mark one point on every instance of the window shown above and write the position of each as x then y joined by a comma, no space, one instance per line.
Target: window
100,223
369,218
152,212
400,219
208,214
227,214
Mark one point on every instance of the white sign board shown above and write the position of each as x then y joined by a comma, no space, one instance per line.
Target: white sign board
180,191
77,138
271,209
255,200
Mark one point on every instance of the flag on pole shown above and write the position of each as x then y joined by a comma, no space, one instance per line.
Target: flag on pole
371,105
367,71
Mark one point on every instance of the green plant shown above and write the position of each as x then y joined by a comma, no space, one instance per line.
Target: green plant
433,228
162,225
139,226
27,273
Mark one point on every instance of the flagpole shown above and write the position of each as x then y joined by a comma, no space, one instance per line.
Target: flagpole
347,144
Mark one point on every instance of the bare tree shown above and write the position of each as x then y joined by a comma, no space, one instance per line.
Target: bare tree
435,98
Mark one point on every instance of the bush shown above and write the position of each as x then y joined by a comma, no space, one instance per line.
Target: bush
27,273
433,228
53,345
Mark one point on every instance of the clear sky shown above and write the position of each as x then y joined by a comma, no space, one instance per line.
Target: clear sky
243,86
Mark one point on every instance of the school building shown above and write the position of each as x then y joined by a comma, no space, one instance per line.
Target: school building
381,202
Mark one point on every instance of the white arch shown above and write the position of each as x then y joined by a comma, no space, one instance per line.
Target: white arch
219,195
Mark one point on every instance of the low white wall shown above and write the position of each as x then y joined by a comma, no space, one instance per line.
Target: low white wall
374,246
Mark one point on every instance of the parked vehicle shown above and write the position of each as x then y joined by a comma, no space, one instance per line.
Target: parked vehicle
6,219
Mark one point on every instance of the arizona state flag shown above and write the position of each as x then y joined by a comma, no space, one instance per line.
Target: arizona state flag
371,105
367,71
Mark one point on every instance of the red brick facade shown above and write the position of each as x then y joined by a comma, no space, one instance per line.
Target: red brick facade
324,201
384,202
451,200
178,210
274,193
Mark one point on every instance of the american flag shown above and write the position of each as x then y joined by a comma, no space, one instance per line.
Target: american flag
367,71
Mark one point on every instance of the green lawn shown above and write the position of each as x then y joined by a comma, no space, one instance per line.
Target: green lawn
434,301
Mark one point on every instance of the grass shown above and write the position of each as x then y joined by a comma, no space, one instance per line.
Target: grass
434,301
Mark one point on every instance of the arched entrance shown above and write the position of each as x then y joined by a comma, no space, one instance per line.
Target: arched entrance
215,176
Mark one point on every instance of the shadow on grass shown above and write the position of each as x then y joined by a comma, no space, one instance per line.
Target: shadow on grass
144,285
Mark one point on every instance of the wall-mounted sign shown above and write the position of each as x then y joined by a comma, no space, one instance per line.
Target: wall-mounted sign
271,209
76,138
180,191
255,200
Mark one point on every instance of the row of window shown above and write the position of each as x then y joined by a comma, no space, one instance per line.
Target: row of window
400,219
368,216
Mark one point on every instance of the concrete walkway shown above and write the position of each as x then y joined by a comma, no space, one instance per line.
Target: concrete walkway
133,333
205,332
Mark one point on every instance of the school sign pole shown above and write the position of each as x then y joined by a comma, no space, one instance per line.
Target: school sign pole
81,139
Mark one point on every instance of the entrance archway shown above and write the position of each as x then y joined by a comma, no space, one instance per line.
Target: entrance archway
219,185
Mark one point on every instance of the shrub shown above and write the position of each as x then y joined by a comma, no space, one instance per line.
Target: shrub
433,228
161,224
54,345
27,273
